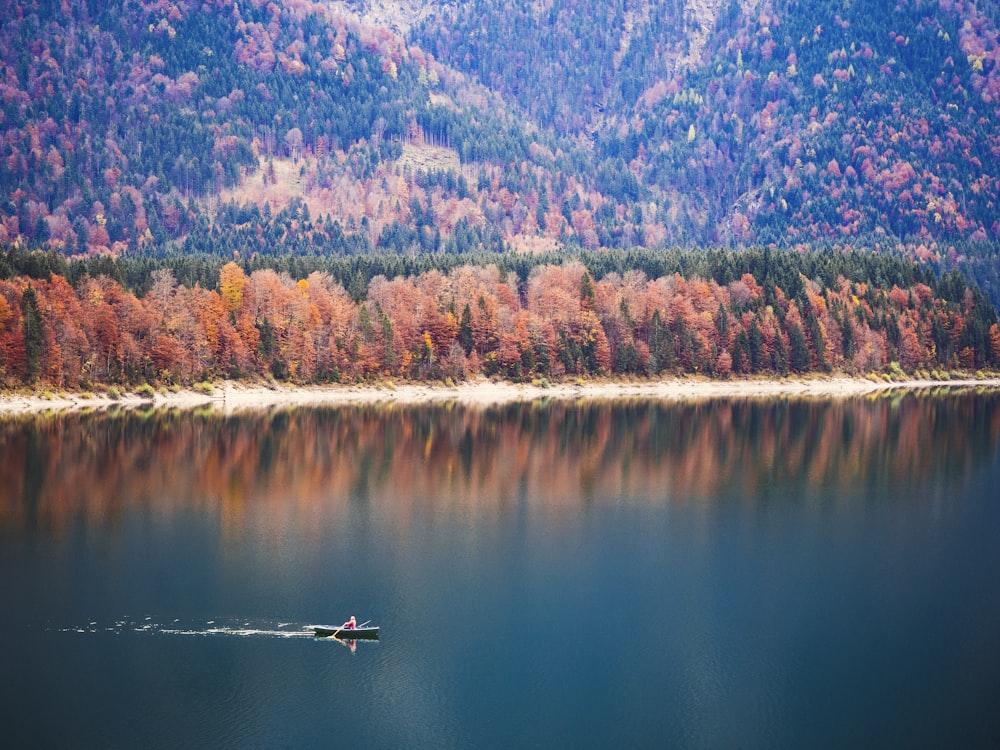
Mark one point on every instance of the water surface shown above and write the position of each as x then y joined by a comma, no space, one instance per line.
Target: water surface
626,574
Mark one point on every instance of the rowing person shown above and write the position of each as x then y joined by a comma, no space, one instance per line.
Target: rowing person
350,624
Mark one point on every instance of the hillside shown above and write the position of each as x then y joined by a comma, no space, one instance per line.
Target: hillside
790,121
125,126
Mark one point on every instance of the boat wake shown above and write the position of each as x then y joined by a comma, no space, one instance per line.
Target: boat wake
157,626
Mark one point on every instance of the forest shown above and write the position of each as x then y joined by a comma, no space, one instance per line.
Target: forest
811,124
287,189
720,313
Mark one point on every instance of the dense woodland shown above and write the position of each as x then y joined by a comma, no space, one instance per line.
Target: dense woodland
720,313
633,123
799,121
411,170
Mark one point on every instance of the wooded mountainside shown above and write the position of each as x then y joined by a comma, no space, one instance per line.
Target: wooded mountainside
287,134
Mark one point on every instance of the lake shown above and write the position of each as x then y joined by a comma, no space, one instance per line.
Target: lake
641,574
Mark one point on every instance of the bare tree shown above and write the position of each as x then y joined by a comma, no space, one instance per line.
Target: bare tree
378,131
293,139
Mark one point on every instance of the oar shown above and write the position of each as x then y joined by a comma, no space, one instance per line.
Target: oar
342,628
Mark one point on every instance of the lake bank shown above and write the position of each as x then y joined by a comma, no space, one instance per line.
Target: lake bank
235,396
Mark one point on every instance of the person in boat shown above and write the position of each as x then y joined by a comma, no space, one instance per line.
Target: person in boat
350,624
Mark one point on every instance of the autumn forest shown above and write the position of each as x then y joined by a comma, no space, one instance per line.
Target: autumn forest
476,319
320,193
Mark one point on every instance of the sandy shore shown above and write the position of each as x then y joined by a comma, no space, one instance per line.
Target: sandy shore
231,396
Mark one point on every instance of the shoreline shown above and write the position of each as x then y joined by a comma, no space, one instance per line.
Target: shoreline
232,396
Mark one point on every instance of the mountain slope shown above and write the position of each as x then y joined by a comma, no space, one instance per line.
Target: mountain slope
791,121
603,124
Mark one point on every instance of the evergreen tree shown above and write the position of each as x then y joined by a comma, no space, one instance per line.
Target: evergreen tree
587,290
661,345
34,335
465,330
755,340
848,342
268,342
799,358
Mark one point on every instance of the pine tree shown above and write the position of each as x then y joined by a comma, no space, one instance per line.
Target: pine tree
34,335
799,358
465,337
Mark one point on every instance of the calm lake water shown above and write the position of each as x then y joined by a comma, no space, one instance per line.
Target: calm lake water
601,575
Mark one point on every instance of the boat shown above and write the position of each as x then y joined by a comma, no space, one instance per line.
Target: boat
367,632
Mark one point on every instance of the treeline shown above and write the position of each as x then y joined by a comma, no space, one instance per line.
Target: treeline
355,268
719,314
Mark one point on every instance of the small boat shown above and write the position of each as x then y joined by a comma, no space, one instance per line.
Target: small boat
367,632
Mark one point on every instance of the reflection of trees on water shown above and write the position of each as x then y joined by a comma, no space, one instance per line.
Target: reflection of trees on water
299,466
